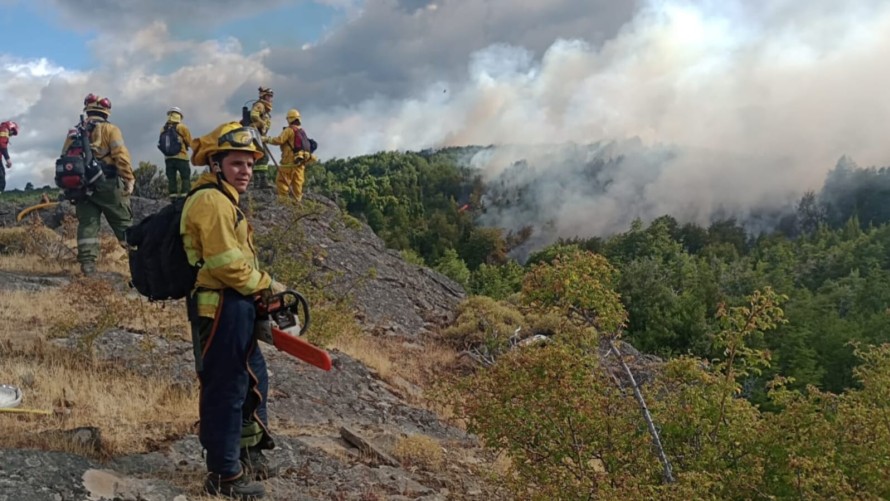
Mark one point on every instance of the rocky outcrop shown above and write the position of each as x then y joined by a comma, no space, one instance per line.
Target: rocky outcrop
390,295
316,464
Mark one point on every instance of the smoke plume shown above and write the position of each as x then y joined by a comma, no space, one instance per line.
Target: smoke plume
694,108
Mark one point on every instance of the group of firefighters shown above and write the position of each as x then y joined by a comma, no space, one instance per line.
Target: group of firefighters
297,150
218,240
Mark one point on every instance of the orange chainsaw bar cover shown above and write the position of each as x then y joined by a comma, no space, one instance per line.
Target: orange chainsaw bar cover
301,349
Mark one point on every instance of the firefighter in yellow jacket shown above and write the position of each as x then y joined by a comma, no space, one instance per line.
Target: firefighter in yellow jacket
261,120
108,196
296,153
178,164
231,368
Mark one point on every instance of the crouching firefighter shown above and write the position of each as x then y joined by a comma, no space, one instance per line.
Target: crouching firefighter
95,174
222,312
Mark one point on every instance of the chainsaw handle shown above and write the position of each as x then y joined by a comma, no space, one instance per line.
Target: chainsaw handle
291,301
303,303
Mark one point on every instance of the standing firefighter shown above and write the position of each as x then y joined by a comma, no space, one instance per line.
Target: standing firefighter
102,181
222,312
261,120
296,154
174,144
7,129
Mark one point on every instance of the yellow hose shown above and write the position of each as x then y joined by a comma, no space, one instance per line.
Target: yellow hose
25,411
27,211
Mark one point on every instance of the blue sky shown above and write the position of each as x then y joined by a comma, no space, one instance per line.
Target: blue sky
31,32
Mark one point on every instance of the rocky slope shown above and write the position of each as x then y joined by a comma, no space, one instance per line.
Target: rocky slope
318,409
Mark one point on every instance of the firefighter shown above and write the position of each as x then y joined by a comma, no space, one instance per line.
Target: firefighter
178,163
296,153
261,120
7,129
110,195
234,425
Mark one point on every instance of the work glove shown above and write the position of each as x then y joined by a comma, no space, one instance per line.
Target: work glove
266,139
277,287
129,184
265,295
8,163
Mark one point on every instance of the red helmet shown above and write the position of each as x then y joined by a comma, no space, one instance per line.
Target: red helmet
13,128
95,103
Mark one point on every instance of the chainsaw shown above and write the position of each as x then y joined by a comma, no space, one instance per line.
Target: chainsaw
280,314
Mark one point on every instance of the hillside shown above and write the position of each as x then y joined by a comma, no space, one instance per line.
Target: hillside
117,372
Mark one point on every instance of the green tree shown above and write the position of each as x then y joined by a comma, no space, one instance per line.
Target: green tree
495,281
453,267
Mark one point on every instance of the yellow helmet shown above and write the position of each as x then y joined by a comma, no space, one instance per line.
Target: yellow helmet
293,114
230,136
97,104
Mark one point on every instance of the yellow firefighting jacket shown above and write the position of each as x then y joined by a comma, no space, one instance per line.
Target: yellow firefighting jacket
215,231
261,116
108,147
186,138
288,156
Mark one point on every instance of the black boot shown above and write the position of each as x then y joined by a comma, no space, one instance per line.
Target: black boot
236,488
256,465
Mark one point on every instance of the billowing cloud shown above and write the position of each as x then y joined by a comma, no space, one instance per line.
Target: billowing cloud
735,104
49,99
388,47
395,48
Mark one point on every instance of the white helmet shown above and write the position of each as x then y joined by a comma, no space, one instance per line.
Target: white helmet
174,109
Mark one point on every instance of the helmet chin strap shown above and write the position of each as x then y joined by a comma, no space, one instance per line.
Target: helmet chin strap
220,179
216,163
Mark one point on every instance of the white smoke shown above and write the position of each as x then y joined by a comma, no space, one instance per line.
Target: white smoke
713,106
755,100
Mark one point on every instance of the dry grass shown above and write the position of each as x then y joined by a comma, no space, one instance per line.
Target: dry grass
34,248
420,451
27,316
392,359
98,305
133,411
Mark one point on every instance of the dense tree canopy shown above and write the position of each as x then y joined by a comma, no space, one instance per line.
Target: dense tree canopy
830,256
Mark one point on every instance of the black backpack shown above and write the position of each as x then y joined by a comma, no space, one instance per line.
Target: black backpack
159,266
169,142
77,170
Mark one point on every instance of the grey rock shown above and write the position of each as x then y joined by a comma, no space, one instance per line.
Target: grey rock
30,283
29,475
391,295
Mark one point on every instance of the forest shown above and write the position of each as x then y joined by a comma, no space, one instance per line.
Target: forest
764,333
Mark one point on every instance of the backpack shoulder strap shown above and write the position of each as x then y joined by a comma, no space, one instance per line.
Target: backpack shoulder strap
209,186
